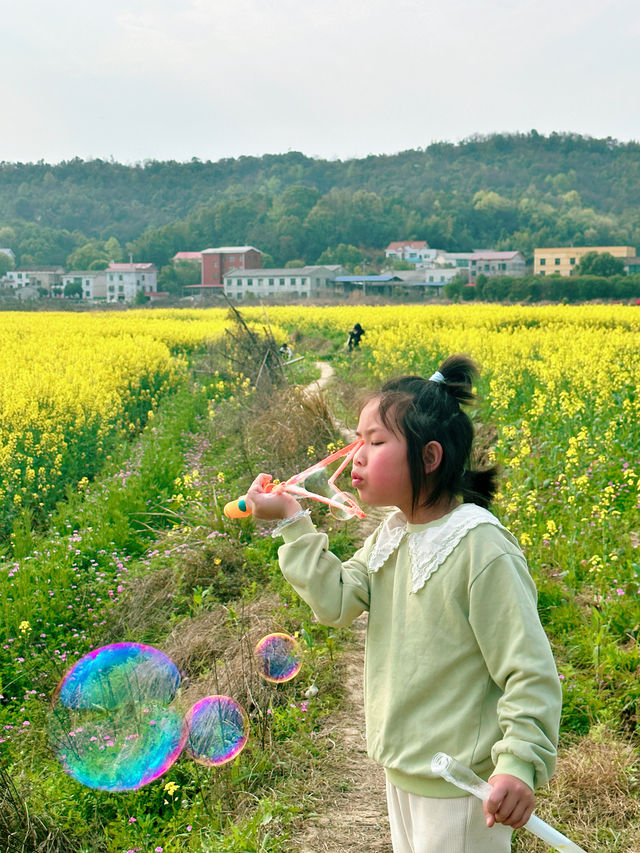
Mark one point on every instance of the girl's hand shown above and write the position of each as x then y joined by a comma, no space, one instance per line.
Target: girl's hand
270,506
511,801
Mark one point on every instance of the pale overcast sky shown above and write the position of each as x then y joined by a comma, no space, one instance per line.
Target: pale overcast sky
176,79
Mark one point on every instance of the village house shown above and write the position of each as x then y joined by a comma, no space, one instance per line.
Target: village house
125,281
564,260
47,279
431,278
422,283
189,257
303,282
92,282
216,263
469,265
411,251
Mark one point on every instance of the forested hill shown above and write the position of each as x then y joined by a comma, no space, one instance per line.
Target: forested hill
502,191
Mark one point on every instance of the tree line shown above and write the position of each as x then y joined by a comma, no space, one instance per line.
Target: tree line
555,288
503,192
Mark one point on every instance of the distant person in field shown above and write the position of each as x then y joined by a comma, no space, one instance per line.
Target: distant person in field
353,341
285,352
456,659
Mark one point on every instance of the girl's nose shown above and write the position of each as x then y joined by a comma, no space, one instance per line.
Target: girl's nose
360,456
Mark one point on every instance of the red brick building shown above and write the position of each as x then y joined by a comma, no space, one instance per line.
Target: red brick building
217,262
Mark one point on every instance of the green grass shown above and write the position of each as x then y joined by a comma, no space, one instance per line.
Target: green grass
144,553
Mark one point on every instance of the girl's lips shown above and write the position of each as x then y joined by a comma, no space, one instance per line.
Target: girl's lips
356,481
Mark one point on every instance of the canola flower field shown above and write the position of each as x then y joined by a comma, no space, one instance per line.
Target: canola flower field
73,384
559,413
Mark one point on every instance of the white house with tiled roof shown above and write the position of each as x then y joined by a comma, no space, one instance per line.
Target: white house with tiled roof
411,251
126,281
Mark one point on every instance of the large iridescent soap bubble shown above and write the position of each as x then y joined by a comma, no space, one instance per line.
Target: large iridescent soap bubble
114,723
278,657
218,730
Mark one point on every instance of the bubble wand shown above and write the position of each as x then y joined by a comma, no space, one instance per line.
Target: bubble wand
463,777
295,486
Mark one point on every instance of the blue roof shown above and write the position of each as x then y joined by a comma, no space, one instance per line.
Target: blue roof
366,278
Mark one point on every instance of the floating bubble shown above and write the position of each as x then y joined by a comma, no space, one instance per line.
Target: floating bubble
218,730
112,725
278,658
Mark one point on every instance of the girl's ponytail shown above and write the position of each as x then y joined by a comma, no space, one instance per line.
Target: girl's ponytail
479,486
458,373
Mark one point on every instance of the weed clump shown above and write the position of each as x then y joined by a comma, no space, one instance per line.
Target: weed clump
292,430
217,566
145,608
22,830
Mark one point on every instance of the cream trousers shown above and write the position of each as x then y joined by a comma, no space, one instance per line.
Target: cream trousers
430,825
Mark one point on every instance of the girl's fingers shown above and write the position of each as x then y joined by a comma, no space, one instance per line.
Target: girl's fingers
260,482
511,802
258,488
267,504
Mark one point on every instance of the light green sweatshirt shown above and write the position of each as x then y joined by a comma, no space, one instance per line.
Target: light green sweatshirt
456,658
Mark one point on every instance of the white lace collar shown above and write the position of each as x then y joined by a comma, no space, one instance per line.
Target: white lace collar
429,547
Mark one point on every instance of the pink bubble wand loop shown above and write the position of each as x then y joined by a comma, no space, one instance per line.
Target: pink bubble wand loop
294,486
463,777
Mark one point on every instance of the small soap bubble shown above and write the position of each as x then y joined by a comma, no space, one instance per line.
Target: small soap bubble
341,514
112,724
318,483
218,730
278,658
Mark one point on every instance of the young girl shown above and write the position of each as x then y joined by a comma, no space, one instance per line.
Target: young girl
456,658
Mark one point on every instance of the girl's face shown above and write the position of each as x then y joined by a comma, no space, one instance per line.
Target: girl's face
380,471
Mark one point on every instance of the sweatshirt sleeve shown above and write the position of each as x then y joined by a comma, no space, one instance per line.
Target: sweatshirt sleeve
504,618
336,592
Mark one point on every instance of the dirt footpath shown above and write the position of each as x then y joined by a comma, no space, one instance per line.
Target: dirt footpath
354,816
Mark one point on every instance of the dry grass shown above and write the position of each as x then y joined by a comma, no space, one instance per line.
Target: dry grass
594,798
217,565
214,649
146,606
255,355
287,425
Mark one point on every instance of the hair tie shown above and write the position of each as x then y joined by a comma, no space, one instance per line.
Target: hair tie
437,377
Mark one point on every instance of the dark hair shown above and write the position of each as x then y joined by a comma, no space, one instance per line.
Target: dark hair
425,410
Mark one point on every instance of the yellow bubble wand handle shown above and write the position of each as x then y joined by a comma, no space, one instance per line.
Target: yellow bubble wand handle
463,777
239,509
